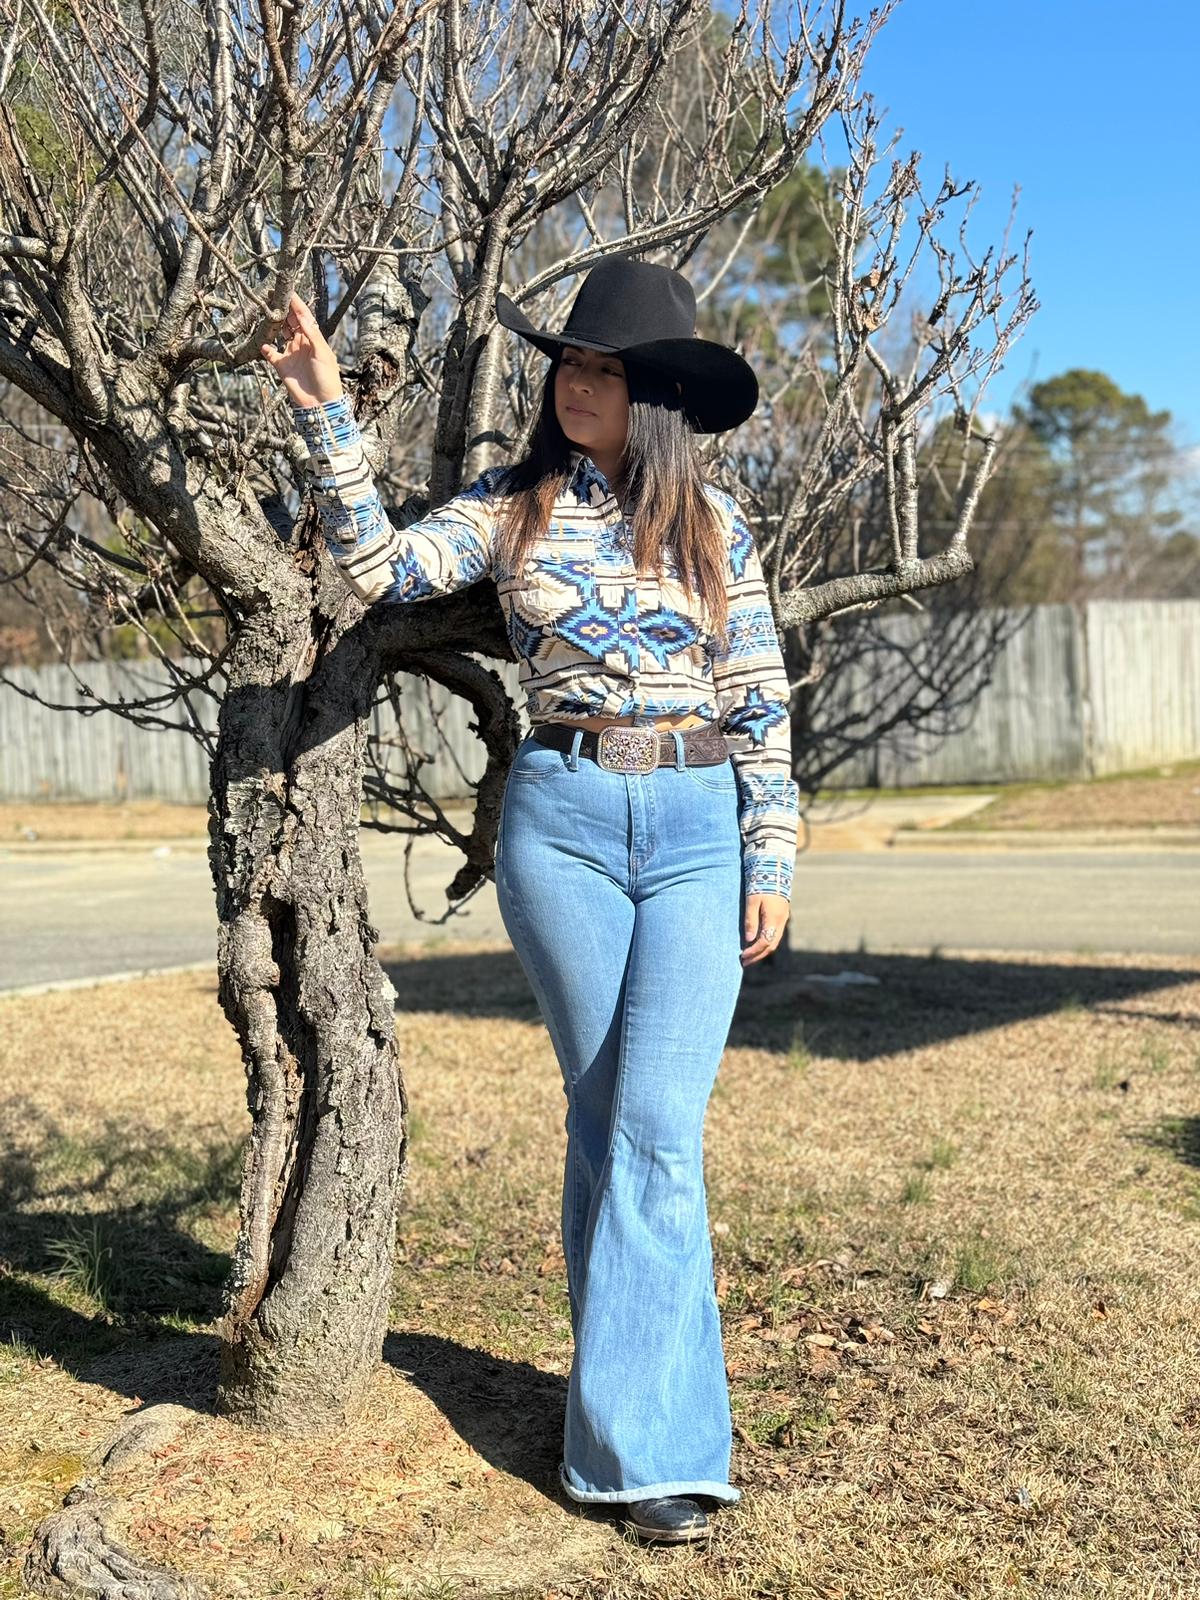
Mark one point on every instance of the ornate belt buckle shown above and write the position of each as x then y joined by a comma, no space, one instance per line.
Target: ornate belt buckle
627,749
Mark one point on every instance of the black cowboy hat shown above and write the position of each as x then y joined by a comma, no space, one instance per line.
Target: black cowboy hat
648,313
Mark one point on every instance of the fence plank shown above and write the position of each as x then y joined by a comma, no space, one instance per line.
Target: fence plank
1144,663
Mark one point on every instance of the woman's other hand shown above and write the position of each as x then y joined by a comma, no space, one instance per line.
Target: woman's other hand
306,365
764,912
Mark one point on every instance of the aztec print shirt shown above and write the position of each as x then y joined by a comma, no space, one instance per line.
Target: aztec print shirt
591,636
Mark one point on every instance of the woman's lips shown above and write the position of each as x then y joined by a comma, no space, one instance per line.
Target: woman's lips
578,411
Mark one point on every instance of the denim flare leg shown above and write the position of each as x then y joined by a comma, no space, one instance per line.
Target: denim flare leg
622,896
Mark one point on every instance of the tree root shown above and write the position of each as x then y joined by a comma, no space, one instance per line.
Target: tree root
72,1554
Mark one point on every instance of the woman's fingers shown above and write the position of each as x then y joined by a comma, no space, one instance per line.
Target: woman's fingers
299,308
763,912
306,326
300,319
765,920
301,331
306,365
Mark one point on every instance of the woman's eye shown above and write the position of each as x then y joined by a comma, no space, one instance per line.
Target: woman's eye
608,372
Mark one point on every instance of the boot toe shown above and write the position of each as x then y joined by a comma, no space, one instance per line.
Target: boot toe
667,1518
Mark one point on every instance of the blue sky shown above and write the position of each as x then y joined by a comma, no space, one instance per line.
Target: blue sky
1090,108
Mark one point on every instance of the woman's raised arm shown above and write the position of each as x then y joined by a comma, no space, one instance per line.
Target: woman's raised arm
446,550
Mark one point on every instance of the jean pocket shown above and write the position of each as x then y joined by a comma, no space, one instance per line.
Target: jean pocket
719,778
535,762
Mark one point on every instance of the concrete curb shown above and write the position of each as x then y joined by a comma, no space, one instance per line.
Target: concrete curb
1047,839
97,847
107,977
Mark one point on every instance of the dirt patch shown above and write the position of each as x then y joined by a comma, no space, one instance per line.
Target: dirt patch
954,1232
101,822
1168,797
96,820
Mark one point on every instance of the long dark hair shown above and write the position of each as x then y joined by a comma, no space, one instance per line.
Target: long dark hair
660,478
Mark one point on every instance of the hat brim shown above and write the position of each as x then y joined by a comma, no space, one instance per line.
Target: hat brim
719,388
509,315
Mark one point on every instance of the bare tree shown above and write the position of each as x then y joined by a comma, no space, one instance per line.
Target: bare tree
167,175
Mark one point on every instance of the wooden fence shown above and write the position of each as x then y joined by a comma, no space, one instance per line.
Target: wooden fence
1077,691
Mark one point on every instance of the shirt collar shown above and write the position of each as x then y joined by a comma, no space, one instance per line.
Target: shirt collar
586,479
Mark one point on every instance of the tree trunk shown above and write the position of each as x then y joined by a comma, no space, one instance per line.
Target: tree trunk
306,1303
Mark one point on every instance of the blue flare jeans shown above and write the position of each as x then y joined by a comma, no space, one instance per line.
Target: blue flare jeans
622,896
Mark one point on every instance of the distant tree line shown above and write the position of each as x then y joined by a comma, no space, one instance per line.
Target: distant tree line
1090,498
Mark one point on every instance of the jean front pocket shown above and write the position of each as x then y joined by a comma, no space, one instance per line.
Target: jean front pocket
719,778
535,762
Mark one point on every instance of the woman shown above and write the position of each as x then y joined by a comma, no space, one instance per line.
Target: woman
636,605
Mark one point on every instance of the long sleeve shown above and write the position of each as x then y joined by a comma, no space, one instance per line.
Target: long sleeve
446,550
753,700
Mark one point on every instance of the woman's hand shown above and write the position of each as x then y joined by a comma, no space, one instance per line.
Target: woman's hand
766,918
307,366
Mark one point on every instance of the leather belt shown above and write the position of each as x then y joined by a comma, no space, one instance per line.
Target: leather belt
620,748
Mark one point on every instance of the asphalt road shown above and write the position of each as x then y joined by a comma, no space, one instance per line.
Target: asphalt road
80,916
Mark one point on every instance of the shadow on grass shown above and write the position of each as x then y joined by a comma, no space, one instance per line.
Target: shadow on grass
141,1272
107,1293
919,1000
511,1412
1179,1137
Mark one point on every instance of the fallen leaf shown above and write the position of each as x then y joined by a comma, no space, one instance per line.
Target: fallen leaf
785,1333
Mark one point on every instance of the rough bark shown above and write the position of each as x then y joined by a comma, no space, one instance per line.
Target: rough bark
307,1298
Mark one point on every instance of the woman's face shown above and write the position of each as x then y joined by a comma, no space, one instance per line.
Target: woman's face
591,401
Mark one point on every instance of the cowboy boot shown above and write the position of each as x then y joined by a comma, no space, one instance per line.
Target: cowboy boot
667,1519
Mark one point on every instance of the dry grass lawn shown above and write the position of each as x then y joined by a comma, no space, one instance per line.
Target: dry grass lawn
955,1235
1163,797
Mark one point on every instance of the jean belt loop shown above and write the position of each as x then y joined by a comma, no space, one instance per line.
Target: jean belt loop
573,755
678,738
